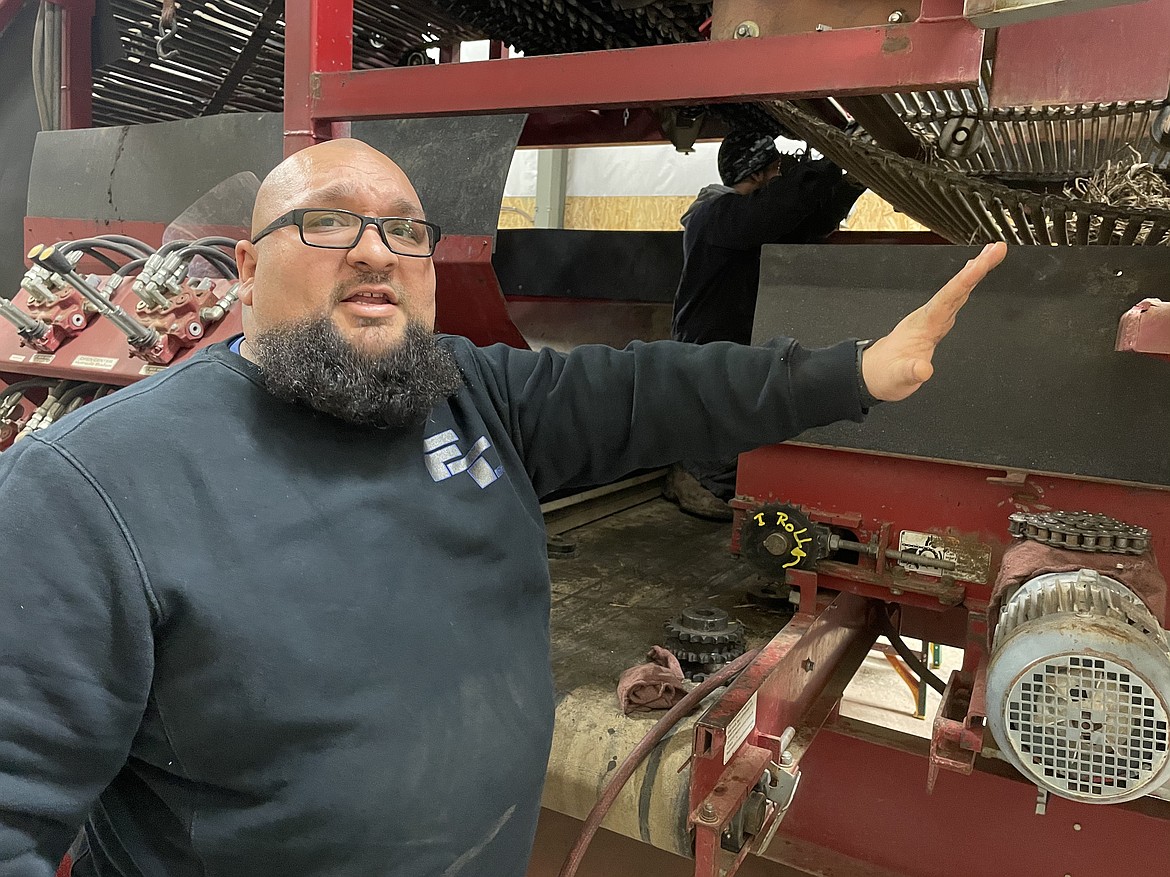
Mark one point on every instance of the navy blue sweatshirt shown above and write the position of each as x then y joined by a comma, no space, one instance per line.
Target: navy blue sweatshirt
723,233
238,637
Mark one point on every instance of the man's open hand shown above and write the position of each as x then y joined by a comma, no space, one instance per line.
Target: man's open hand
895,366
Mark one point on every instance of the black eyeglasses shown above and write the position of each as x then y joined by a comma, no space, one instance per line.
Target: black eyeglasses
342,229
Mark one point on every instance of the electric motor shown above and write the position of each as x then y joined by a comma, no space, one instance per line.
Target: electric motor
1078,688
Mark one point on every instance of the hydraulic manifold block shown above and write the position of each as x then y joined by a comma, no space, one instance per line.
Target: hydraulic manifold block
1078,688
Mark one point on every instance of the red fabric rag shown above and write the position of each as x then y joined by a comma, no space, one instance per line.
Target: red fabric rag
657,685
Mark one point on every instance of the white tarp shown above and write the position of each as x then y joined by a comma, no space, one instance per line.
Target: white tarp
647,170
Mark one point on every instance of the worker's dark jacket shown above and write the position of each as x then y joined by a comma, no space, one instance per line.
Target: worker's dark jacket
723,233
239,637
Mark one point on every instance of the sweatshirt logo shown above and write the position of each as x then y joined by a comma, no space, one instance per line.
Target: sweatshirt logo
445,460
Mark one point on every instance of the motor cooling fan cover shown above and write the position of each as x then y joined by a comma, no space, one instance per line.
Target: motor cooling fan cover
1078,688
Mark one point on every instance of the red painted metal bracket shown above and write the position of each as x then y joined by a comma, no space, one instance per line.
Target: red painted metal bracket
856,61
767,719
1114,54
863,810
956,736
468,298
580,127
974,501
1145,328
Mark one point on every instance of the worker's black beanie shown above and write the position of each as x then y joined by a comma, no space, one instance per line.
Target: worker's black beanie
742,153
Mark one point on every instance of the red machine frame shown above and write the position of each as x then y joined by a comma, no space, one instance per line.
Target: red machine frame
800,675
322,90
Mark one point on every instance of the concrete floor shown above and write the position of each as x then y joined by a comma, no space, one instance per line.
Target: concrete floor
609,601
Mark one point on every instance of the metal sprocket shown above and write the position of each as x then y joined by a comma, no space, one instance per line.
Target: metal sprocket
703,654
705,625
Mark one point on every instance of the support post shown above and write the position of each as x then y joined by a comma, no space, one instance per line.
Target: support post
552,175
76,106
318,38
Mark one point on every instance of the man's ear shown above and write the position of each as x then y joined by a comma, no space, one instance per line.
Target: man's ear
246,264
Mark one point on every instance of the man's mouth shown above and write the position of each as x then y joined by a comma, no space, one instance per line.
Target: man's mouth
371,302
373,295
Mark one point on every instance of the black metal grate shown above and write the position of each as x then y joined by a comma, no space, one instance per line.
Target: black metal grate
969,210
1050,143
231,52
231,55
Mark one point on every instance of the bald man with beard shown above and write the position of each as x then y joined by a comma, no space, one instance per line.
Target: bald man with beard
283,609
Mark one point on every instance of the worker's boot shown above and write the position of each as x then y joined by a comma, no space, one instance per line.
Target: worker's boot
684,488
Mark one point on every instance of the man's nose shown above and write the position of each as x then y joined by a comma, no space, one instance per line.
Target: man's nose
370,253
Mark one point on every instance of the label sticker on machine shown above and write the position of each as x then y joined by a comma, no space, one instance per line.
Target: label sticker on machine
42,358
152,369
16,357
971,559
739,728
105,363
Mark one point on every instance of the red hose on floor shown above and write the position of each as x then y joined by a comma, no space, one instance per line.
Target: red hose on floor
638,755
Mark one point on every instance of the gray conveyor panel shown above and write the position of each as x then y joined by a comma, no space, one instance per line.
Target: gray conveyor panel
152,173
1027,379
19,124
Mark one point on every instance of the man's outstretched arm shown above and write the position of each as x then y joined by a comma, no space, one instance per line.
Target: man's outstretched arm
596,413
895,366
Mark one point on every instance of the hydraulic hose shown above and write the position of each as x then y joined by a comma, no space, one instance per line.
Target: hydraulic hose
105,260
93,245
622,775
21,386
129,267
911,659
216,257
171,246
74,392
90,244
141,246
215,241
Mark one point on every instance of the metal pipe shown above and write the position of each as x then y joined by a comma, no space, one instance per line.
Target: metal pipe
836,543
41,410
219,310
28,326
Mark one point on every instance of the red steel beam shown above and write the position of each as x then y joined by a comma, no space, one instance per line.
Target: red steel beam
318,37
581,127
907,57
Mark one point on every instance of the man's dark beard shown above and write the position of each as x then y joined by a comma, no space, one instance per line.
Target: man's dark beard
312,364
